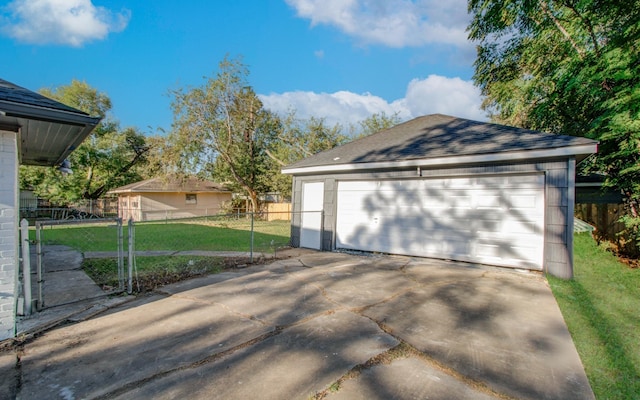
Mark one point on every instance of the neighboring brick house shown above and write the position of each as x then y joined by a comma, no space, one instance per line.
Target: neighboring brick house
34,130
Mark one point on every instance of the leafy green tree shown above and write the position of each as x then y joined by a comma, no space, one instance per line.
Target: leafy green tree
570,67
375,123
158,158
106,159
221,130
296,139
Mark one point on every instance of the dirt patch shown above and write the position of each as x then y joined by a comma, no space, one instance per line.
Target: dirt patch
632,263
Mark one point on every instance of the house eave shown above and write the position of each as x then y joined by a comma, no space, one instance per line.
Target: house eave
446,161
46,136
134,191
12,109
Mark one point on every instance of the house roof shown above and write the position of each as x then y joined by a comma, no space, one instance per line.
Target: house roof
48,130
438,139
171,185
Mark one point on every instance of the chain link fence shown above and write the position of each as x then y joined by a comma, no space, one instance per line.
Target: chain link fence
175,249
76,259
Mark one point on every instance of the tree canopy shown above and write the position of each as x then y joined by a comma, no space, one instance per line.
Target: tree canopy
569,67
221,130
106,159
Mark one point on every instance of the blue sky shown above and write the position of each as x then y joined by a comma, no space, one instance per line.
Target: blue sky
338,59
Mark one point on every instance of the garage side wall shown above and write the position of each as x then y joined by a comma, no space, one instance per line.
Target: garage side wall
559,186
8,232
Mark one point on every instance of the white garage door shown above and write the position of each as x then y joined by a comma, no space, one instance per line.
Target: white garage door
496,220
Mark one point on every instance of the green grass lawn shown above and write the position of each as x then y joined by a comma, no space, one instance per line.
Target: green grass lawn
185,235
232,235
601,307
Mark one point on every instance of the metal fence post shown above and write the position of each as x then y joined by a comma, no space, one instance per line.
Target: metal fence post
26,265
251,246
40,303
120,254
131,255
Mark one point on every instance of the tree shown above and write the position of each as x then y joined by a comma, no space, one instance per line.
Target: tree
158,160
298,139
375,123
221,130
106,159
566,66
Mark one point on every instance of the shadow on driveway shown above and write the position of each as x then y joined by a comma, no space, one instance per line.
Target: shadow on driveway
323,325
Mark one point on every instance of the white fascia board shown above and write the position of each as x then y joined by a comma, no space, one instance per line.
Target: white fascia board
443,161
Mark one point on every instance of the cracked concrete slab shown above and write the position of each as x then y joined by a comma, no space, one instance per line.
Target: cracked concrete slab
89,359
357,285
292,328
295,364
407,378
276,299
501,329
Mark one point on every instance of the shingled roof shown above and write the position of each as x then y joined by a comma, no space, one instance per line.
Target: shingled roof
439,140
171,185
48,130
10,92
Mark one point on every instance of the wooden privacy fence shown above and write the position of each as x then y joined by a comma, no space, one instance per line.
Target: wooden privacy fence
605,217
278,211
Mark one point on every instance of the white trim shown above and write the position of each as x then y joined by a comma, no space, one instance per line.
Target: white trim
452,160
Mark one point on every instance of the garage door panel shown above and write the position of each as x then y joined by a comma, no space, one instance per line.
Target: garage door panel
489,219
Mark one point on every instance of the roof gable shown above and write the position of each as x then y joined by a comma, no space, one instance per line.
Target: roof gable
440,137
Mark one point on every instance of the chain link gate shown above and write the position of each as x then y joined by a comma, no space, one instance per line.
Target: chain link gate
76,260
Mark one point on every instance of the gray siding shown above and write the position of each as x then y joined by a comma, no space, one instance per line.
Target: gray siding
559,176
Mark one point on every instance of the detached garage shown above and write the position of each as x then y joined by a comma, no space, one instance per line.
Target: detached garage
444,187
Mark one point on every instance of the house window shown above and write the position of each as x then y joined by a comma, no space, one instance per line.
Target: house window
191,198
134,204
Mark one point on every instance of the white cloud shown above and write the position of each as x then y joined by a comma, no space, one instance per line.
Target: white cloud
435,94
394,23
442,95
64,22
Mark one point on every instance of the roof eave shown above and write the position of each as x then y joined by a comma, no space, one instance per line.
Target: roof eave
569,151
12,109
142,191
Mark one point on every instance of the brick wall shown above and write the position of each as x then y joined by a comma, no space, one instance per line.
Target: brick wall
8,232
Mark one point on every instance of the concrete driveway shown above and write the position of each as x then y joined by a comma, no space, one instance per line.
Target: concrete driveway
328,325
